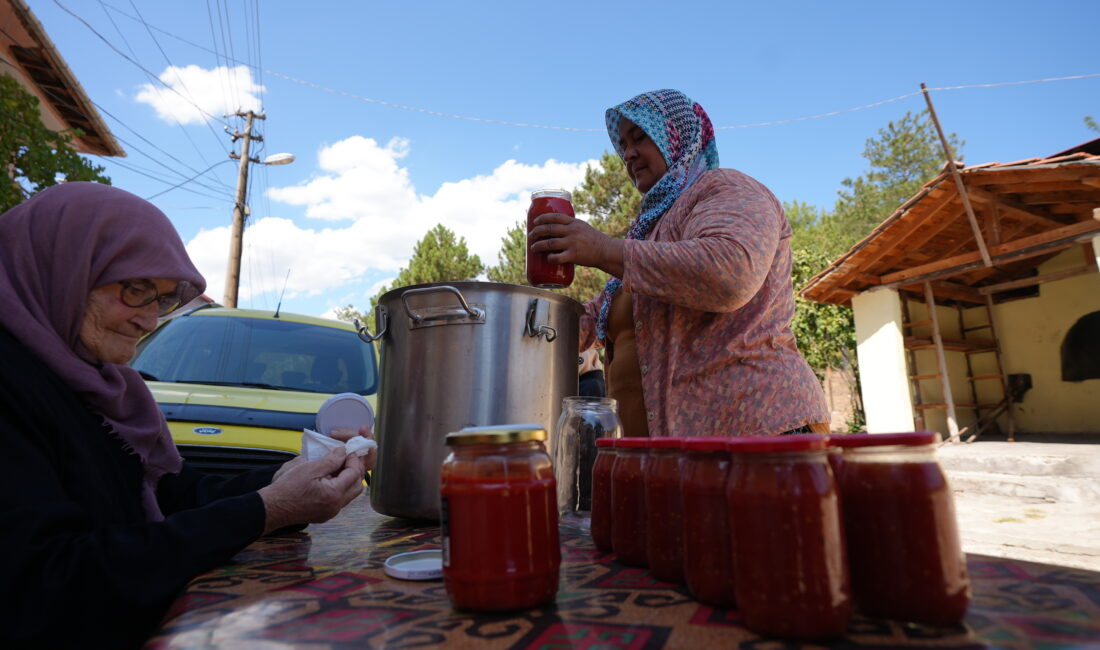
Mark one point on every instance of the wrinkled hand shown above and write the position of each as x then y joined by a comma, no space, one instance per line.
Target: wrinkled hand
312,492
343,435
568,239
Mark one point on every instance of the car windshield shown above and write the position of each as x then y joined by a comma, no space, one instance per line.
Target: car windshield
258,352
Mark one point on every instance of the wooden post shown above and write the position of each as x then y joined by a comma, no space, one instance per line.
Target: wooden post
948,398
958,179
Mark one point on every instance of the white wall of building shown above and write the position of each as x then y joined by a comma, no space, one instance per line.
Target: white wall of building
881,352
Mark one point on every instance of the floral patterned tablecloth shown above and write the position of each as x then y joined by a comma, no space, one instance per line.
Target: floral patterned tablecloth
325,588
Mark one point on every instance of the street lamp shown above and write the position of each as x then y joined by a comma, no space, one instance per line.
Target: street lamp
279,159
240,210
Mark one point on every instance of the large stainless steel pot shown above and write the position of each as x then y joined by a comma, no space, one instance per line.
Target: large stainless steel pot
456,355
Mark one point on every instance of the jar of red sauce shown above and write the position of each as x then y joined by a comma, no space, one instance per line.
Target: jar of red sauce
499,519
540,271
789,561
708,567
601,493
664,535
903,538
628,508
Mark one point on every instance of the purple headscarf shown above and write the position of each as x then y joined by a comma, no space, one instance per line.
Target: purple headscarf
54,250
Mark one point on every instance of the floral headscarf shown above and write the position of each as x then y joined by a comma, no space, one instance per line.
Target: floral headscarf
683,133
57,247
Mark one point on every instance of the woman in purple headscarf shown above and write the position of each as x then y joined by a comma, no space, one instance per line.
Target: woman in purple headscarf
696,317
103,524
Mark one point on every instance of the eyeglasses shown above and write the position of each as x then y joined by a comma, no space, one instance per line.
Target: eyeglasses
139,293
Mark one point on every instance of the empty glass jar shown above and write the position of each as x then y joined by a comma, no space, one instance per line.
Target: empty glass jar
582,421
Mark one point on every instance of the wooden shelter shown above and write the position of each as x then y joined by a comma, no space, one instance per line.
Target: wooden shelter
935,251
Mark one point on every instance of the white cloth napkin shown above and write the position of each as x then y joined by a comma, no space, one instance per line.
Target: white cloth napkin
316,445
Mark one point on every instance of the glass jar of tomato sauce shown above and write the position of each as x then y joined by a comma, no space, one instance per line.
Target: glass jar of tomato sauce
628,509
903,537
789,561
499,519
541,272
707,560
601,493
664,535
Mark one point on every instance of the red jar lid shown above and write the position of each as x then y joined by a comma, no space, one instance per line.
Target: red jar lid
605,442
634,443
706,443
770,444
667,442
913,438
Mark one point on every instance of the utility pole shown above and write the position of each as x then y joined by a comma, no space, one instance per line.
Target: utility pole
240,208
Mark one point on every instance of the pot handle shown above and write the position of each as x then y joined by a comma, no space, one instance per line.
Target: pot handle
476,315
381,321
533,313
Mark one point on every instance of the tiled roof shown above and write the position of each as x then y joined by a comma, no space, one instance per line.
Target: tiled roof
1026,210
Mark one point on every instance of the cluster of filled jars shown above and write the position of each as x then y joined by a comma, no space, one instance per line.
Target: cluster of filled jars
794,531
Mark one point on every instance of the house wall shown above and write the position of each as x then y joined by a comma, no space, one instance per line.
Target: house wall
882,367
1031,331
931,390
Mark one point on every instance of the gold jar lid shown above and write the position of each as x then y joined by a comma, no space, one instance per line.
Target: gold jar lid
497,434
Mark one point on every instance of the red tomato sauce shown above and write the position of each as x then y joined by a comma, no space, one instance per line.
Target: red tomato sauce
628,510
903,542
540,271
664,510
708,568
601,494
787,539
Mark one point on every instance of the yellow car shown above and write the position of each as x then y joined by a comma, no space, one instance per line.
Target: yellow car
238,385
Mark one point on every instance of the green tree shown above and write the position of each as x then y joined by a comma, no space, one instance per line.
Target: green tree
902,158
35,157
438,257
512,258
609,196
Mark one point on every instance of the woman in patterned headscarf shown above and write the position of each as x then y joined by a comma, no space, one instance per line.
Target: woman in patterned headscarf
696,317
103,524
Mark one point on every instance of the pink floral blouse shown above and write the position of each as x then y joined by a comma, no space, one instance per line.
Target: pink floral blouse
712,302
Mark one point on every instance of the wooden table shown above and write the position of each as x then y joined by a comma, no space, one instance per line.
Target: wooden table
324,588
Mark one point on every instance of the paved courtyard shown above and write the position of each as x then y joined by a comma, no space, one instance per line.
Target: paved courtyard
1036,501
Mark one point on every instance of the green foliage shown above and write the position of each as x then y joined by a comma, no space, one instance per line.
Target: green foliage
438,257
512,259
35,157
1090,122
825,333
609,196
349,314
902,158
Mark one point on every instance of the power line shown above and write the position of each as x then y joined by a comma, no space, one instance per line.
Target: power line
153,196
179,79
591,130
154,145
132,61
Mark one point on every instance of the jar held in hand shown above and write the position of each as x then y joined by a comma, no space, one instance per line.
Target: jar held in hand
541,272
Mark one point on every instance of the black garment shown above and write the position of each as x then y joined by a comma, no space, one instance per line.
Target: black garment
79,564
592,384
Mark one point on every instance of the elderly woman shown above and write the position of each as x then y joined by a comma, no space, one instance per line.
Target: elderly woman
696,317
103,522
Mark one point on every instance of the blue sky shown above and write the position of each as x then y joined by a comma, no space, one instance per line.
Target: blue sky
372,177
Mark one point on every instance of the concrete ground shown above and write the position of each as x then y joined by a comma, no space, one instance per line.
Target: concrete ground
1037,499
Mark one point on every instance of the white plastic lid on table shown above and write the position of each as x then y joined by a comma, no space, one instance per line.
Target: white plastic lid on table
415,565
344,411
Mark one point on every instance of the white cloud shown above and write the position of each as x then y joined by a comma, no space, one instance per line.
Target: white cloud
196,93
375,218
